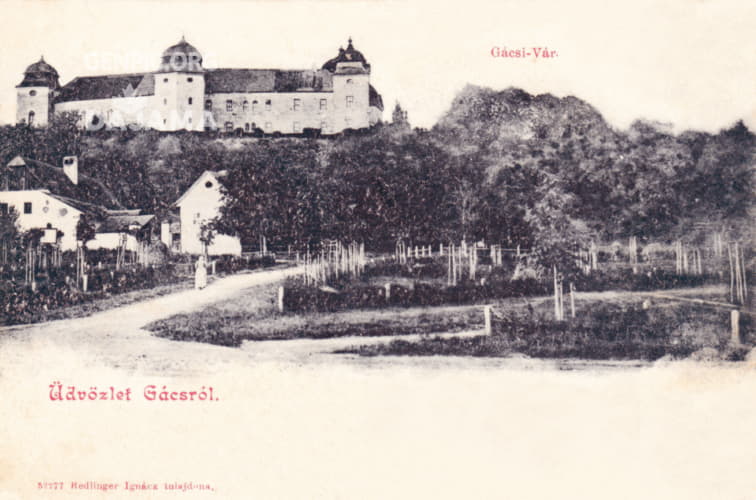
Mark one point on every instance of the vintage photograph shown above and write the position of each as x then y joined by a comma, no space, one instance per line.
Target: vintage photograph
376,249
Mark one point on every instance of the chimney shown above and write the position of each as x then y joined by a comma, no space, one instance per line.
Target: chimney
71,168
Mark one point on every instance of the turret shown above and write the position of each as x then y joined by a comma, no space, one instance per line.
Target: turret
351,88
35,94
180,89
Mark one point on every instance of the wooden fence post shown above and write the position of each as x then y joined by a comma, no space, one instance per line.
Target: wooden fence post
735,326
280,299
487,318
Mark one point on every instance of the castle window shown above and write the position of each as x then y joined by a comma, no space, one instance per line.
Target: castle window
229,105
349,81
190,101
32,93
165,80
27,207
297,127
31,118
190,79
297,104
349,101
246,127
229,126
268,126
323,104
323,126
208,184
245,106
254,107
190,120
268,105
208,104
165,101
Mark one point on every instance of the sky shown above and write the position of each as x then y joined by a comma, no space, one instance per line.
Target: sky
687,63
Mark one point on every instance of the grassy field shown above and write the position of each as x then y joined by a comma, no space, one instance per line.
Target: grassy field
252,316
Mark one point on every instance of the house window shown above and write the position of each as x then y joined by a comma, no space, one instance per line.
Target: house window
245,106
297,127
268,105
229,105
190,100
208,104
349,101
323,104
32,93
27,207
297,104
31,118
254,107
229,126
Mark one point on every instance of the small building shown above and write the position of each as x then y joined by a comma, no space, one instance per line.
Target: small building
199,205
49,197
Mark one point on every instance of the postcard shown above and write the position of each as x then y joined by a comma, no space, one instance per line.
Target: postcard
377,249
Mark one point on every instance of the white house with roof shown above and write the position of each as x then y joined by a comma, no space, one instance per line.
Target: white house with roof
197,206
49,197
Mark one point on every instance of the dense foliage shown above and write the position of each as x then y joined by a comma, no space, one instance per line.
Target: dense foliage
505,166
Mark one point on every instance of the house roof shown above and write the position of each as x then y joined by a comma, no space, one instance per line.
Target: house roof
85,88
228,80
123,223
27,174
217,175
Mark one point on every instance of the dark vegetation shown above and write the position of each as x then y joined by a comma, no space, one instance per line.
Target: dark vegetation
507,167
604,331
56,289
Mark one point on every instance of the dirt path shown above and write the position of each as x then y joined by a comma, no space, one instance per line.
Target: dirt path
116,338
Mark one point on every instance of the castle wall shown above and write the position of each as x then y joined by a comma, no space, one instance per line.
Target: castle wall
351,113
116,112
281,115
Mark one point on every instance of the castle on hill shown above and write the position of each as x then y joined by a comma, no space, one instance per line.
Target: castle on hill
183,95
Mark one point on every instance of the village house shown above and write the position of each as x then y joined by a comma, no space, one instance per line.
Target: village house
55,198
183,95
196,207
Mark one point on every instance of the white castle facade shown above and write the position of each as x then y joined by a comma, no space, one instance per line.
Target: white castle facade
183,95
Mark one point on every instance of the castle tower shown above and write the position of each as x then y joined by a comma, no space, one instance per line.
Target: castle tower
35,94
180,89
351,88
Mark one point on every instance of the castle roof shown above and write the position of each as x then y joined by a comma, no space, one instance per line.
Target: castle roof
266,80
86,88
26,174
182,57
350,55
40,74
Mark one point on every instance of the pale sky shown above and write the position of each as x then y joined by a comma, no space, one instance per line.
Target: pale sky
691,63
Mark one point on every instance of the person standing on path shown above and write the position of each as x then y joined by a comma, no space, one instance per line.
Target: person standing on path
200,273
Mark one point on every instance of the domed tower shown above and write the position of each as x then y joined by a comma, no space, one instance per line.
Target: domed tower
351,89
35,94
180,89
